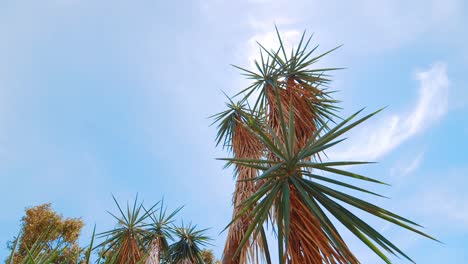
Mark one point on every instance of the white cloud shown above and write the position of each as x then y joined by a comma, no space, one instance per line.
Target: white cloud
377,139
364,25
405,168
411,167
269,40
444,206
442,199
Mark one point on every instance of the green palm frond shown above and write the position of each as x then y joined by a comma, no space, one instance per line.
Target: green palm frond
278,66
189,245
126,239
89,251
161,226
11,258
228,120
40,252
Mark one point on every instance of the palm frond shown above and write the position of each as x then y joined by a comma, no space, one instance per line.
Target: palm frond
188,247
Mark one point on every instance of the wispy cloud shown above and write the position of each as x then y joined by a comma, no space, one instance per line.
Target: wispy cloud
406,167
377,139
364,26
413,165
446,205
269,40
443,201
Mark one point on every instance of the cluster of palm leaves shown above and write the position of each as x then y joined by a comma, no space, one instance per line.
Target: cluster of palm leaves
134,236
141,235
41,252
279,131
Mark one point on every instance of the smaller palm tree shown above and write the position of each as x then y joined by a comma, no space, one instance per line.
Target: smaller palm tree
141,236
188,248
125,241
158,234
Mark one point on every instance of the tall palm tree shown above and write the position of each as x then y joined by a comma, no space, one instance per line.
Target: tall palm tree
295,108
278,82
125,241
188,247
159,232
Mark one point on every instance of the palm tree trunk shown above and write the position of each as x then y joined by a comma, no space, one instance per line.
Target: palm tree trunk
129,252
244,189
154,255
229,251
244,145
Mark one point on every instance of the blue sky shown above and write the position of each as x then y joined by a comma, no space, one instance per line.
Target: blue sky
112,97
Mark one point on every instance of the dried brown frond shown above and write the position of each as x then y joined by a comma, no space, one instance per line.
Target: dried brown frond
244,189
130,252
308,243
291,93
245,145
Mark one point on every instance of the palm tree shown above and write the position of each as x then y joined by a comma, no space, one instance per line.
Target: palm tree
290,118
278,82
188,248
159,233
125,242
